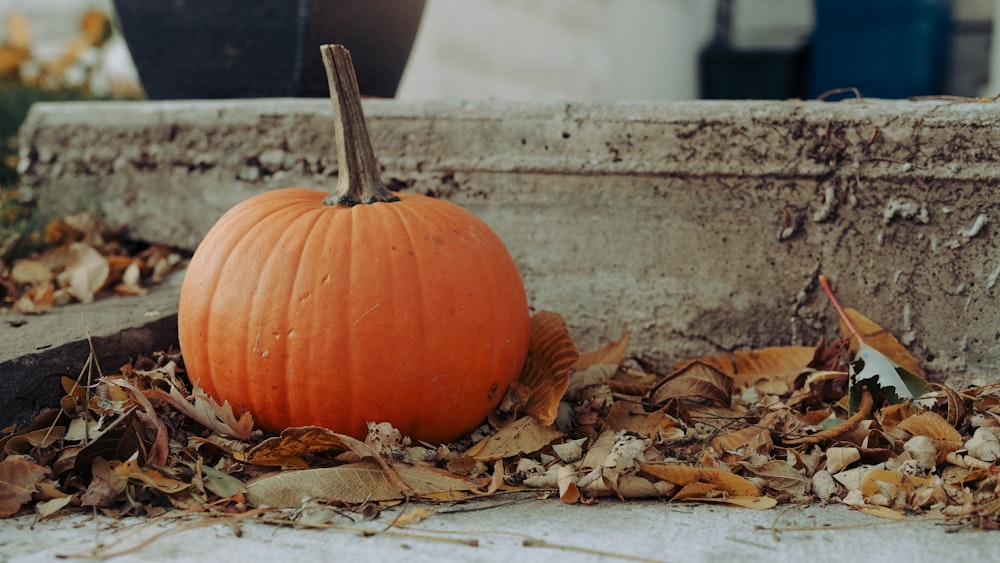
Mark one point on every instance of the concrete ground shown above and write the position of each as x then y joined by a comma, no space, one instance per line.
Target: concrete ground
525,529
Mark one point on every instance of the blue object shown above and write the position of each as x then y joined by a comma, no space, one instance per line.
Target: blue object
884,48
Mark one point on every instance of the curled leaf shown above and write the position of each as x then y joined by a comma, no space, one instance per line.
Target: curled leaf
696,380
551,356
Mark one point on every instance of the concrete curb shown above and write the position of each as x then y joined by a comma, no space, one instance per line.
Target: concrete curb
701,226
39,350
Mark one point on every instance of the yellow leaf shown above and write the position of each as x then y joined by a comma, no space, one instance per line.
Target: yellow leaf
932,425
719,479
883,512
414,516
150,477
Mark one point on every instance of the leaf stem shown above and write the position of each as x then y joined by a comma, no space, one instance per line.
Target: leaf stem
825,283
358,174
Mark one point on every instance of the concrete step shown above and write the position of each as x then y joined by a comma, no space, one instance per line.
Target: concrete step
701,226
39,349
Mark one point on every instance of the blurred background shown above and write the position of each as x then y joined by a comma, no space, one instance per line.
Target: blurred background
481,49
521,49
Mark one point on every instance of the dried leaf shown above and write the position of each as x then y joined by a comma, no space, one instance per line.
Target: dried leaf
120,440
431,483
353,483
838,458
522,436
30,272
883,377
19,479
696,380
876,337
831,357
717,478
414,516
149,477
932,425
571,451
611,354
566,481
41,438
625,415
294,442
883,512
49,507
747,367
206,411
739,445
85,272
780,476
551,356
593,375
159,450
695,490
222,484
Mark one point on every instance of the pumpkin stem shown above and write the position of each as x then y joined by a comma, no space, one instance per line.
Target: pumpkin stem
358,176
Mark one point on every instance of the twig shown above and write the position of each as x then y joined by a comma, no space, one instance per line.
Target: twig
835,91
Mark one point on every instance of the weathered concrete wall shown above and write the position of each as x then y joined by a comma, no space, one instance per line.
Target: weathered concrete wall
699,225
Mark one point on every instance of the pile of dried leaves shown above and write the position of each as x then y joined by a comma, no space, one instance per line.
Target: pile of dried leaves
752,428
82,258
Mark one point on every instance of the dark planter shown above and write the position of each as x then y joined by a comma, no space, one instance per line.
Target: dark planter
264,48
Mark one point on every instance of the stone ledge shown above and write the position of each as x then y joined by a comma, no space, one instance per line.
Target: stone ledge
39,350
699,225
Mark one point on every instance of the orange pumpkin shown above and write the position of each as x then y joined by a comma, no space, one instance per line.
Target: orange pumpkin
363,305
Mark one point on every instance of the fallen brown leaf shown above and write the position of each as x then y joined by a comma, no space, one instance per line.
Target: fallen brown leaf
551,356
747,367
695,380
523,436
18,480
741,444
355,483
717,479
